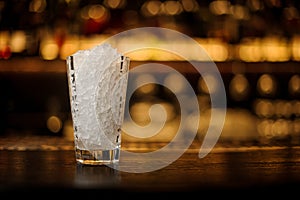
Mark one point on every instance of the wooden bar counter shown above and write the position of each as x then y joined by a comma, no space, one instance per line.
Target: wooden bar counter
47,164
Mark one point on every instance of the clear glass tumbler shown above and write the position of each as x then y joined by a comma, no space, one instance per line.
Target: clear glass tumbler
97,90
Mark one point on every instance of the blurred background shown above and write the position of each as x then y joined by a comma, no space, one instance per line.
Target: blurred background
255,45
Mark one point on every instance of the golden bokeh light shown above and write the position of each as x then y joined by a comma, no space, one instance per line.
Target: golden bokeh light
239,87
267,85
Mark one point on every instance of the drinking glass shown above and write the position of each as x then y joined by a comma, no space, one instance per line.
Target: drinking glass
97,90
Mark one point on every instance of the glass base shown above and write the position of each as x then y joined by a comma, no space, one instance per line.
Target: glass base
97,157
